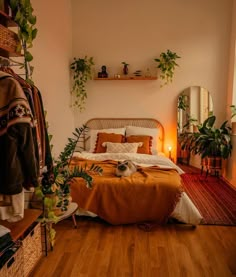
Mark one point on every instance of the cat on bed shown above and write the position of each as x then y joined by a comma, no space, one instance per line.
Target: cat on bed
125,168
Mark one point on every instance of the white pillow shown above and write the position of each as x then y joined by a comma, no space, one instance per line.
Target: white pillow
93,135
126,147
142,131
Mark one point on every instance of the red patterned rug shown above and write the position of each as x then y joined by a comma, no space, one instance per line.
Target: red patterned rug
215,200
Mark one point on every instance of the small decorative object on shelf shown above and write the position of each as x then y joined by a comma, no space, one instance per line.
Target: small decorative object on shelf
148,73
138,73
125,68
127,78
103,73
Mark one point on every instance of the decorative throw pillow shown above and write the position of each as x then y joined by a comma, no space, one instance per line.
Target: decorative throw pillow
147,143
105,137
114,147
142,131
93,135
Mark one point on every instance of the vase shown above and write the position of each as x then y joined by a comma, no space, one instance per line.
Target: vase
125,70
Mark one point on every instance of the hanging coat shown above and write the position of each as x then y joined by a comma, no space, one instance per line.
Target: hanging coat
19,165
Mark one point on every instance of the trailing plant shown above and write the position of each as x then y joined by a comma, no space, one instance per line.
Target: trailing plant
189,120
182,102
82,72
23,16
167,64
56,182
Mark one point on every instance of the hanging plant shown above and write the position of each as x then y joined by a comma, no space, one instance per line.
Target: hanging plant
23,15
82,72
167,64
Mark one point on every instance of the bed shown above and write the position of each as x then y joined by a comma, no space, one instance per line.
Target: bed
152,194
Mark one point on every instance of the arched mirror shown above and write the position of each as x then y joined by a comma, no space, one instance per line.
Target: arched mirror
194,106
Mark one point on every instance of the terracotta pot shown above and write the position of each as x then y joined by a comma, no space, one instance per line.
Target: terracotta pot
214,162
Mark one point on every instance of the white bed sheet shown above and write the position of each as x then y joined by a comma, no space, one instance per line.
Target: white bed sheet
185,211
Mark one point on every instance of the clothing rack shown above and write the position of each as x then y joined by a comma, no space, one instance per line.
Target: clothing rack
8,62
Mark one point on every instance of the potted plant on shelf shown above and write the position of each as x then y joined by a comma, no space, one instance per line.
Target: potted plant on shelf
125,68
82,72
53,190
166,65
23,15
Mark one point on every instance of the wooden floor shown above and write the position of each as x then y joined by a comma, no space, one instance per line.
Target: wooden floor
97,249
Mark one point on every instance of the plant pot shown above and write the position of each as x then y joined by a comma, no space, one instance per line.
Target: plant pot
214,162
54,199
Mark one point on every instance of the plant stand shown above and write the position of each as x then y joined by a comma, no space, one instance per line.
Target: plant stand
211,164
73,207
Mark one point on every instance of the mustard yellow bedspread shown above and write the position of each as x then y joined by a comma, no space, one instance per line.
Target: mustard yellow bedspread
148,195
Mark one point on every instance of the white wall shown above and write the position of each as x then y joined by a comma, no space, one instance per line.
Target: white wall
137,32
231,96
52,53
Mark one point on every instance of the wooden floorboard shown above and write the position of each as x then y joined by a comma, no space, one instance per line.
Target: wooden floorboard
98,249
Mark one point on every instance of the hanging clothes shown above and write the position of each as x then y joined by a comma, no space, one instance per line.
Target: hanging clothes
46,156
24,142
40,131
19,166
12,207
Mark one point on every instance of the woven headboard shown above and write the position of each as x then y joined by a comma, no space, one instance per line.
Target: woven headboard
106,123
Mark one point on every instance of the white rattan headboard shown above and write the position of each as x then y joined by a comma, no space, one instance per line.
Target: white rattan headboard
106,123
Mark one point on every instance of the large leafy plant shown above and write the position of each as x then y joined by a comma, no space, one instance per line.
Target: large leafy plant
167,64
82,72
209,141
23,15
56,181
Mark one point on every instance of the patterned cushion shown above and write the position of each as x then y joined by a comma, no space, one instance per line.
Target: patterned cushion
122,147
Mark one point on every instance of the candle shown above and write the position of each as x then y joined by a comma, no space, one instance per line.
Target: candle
169,148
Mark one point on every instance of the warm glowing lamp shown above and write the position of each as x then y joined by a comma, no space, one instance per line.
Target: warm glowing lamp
169,148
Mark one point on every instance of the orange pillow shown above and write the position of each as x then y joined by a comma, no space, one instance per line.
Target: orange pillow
106,137
147,143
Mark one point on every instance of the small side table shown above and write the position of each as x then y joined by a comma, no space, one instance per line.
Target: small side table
73,207
211,164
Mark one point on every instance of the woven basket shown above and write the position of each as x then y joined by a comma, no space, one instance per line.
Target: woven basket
13,267
32,249
8,40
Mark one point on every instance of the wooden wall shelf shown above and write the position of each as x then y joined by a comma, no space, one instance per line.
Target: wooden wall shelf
129,78
7,20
